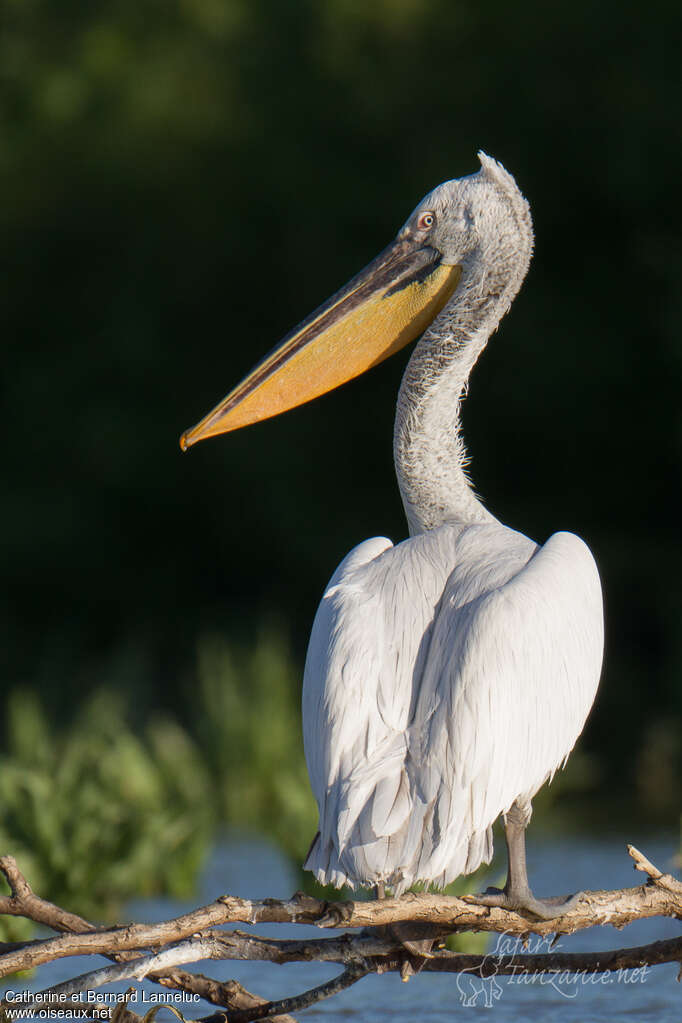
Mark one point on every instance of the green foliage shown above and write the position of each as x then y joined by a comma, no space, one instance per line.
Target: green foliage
109,807
95,813
249,727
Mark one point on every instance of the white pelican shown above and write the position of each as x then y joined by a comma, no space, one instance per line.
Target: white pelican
447,677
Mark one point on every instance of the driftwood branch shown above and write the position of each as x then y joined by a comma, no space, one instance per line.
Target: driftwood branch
155,951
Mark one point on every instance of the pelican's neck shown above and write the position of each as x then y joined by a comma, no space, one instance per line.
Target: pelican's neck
490,236
430,457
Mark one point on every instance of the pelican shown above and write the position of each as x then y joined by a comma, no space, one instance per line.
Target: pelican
448,677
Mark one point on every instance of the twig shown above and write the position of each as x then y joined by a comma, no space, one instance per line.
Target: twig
23,902
229,993
303,1001
135,969
666,881
232,994
658,952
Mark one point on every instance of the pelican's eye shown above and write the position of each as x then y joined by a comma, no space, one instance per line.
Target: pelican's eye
426,221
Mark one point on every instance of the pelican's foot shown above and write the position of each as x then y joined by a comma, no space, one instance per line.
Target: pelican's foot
418,950
420,947
524,901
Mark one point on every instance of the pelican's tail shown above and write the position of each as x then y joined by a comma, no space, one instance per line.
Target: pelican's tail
412,853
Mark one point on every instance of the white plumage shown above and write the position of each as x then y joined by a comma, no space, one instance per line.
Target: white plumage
448,677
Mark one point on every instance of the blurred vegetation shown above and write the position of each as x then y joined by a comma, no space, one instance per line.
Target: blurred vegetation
182,182
111,806
98,812
249,727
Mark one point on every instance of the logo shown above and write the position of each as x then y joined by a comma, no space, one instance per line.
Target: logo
480,985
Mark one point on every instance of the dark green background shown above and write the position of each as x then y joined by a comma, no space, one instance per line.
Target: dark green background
183,181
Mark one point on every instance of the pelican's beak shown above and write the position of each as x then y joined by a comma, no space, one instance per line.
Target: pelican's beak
388,304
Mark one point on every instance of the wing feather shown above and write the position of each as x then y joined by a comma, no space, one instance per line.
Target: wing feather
508,686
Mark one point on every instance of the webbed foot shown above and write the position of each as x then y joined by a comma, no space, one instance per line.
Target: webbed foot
524,901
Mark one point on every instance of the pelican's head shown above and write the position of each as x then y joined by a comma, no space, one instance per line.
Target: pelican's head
466,218
389,303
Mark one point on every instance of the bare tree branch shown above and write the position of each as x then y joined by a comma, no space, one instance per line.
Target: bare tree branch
295,1004
155,951
135,969
385,955
24,902
232,994
670,884
229,993
662,896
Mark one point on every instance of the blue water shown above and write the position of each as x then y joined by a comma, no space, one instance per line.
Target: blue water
253,869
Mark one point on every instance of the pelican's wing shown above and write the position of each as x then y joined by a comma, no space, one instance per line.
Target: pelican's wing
445,678
366,648
508,684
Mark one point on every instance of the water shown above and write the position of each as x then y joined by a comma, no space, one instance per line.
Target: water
254,869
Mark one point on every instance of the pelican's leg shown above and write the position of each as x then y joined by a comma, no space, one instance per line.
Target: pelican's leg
516,893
